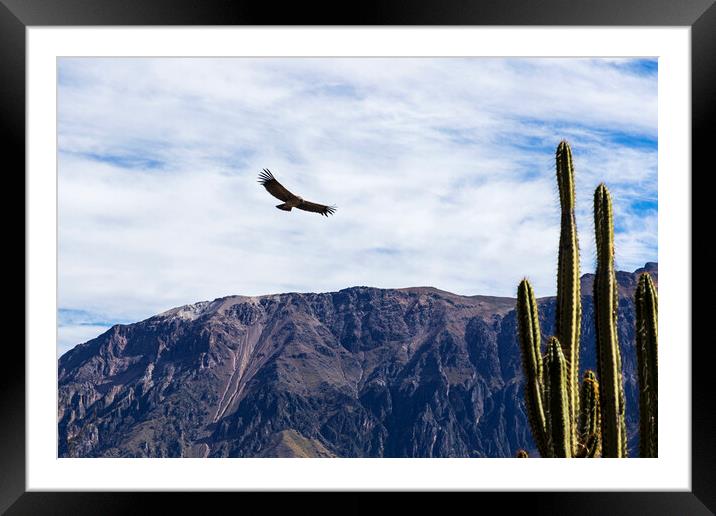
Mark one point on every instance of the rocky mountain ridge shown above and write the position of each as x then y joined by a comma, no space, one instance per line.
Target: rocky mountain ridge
362,372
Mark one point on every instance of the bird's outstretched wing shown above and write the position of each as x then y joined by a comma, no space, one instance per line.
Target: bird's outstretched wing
317,208
274,187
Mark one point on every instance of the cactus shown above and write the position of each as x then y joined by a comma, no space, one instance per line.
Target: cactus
589,444
557,395
565,422
529,333
611,390
552,387
569,304
646,302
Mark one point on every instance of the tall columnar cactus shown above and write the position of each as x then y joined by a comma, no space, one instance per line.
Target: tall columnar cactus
569,304
646,302
552,389
565,422
605,315
529,333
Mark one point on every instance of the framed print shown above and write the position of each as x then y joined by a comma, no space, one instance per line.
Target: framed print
460,266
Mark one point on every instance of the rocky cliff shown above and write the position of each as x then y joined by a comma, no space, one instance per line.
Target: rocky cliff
363,372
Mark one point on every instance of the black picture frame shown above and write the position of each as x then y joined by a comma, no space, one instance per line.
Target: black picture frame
17,15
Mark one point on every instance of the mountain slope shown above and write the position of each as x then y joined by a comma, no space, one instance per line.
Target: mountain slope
363,372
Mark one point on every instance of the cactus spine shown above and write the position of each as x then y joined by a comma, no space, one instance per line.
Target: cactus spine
605,315
569,304
646,302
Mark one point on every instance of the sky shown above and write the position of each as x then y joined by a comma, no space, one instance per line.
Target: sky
442,170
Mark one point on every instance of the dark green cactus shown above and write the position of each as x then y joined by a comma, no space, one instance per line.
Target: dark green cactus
565,422
529,337
611,389
569,302
552,387
589,418
560,422
588,448
646,301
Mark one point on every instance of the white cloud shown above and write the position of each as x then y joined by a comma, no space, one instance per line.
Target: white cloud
442,170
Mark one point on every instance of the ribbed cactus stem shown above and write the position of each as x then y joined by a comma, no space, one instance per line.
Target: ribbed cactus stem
646,302
560,422
529,336
589,417
605,314
569,304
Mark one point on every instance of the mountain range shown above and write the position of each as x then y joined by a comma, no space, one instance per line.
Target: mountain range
363,372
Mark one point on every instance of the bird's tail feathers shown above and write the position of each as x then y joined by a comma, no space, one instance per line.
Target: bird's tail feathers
284,207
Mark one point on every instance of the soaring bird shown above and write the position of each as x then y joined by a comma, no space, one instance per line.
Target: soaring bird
290,200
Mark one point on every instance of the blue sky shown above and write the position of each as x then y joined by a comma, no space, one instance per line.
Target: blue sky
442,170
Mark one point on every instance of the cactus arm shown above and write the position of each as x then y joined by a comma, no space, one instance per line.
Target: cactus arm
611,389
569,304
589,417
529,336
646,302
560,422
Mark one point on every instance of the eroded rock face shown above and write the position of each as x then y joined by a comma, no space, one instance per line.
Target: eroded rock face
363,372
